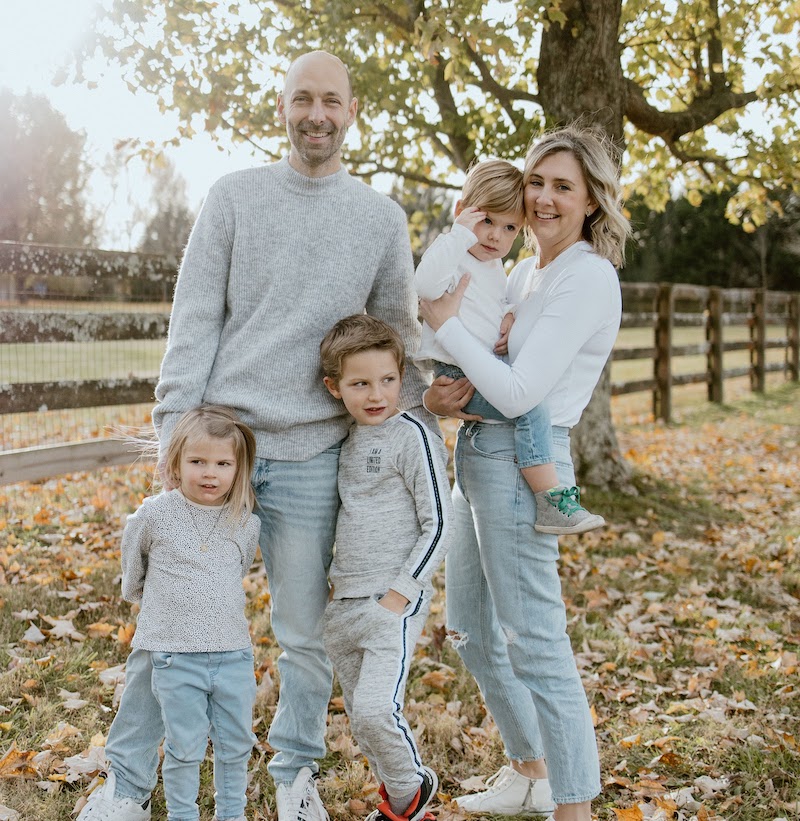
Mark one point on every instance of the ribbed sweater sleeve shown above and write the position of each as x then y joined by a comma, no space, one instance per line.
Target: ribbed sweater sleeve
198,316
394,300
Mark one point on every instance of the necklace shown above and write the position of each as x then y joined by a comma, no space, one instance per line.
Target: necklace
203,539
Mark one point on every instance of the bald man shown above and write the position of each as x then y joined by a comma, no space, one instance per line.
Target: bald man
278,255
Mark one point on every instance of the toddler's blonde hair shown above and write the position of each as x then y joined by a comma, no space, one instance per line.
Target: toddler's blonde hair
494,185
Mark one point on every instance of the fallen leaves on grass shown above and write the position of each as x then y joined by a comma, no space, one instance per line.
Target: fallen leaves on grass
683,614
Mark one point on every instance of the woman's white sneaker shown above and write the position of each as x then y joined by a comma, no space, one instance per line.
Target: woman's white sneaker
510,793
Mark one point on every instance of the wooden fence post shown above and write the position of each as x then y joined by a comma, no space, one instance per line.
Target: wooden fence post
714,339
662,363
758,338
793,338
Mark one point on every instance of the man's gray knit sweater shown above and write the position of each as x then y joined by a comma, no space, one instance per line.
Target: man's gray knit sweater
274,260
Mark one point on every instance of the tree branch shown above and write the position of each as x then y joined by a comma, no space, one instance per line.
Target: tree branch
504,95
671,125
356,168
403,23
248,139
461,146
716,72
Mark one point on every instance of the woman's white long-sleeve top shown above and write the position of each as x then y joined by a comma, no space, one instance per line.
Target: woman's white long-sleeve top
567,320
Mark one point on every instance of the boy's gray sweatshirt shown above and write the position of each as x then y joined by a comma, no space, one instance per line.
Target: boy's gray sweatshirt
394,523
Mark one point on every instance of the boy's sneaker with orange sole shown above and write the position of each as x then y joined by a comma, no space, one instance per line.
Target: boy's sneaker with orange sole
418,808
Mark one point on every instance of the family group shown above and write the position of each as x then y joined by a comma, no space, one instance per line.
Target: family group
296,413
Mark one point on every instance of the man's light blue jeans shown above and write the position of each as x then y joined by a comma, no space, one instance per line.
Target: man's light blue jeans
504,605
297,504
204,694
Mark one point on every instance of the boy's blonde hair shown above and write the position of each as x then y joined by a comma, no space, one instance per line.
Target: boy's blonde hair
218,422
494,185
356,334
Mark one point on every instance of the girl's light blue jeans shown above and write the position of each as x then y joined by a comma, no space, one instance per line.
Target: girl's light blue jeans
297,504
505,610
204,694
533,439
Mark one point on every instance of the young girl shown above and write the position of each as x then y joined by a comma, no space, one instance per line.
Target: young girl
184,554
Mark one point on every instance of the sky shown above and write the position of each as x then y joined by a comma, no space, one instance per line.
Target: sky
36,39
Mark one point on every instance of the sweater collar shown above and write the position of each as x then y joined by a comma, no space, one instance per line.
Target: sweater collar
311,185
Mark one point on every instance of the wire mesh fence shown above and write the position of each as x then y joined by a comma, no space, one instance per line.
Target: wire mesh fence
82,334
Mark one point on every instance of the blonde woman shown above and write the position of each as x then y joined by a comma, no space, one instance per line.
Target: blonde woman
504,603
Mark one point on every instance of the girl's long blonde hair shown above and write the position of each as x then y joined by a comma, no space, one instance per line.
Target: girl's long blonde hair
606,228
218,422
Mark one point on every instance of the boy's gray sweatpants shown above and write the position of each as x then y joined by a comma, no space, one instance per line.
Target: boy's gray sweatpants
371,650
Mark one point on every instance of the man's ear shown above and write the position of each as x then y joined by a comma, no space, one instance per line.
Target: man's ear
332,387
352,110
281,111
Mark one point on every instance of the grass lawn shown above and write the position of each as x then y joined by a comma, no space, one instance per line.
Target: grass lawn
684,614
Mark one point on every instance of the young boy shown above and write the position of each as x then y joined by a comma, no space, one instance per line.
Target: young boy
489,216
391,535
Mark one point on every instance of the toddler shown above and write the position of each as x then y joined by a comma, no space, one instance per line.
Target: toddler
489,216
184,554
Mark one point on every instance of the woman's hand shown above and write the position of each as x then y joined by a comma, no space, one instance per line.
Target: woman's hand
437,311
446,397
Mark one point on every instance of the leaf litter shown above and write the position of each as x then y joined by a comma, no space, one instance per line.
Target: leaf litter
683,613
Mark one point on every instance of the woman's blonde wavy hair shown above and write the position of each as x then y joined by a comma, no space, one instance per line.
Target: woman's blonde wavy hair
606,228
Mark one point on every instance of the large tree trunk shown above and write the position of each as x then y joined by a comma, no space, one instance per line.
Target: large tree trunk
595,450
579,71
580,76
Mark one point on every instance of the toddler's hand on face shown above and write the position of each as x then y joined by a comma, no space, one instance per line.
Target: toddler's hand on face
470,217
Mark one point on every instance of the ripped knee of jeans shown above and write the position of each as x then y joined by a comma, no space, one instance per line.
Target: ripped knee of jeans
510,635
457,638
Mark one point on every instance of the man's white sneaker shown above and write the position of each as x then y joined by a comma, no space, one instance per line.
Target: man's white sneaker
103,805
300,800
510,793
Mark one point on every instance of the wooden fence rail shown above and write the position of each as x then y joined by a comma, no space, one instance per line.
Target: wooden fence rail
715,309
32,277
